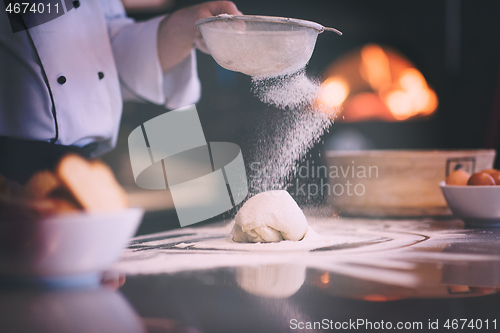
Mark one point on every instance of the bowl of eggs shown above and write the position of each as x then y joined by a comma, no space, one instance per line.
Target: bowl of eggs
396,183
474,198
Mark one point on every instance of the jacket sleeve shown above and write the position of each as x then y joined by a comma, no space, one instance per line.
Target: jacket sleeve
135,51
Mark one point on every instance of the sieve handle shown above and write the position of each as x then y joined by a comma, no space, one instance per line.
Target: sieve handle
332,30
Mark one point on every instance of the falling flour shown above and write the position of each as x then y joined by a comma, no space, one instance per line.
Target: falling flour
285,140
290,91
283,143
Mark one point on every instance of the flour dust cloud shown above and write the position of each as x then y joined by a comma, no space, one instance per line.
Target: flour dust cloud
286,135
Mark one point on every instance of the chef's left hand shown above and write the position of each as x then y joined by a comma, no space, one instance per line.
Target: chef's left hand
177,33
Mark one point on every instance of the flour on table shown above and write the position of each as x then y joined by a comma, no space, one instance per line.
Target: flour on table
375,250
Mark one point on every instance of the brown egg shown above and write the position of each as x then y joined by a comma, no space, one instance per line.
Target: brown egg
458,177
490,171
496,177
481,178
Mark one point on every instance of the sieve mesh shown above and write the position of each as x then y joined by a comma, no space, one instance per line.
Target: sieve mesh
259,48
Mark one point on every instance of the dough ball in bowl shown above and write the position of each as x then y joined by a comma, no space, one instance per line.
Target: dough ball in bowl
270,216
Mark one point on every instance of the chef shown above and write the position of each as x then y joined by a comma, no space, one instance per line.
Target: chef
62,81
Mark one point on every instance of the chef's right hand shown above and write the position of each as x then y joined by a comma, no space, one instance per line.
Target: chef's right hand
213,9
178,34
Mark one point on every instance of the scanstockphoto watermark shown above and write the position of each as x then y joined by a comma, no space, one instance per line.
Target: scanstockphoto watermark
334,180
359,324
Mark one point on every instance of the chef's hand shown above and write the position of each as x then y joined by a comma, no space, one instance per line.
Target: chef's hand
177,33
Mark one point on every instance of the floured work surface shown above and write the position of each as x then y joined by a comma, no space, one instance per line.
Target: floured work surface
362,248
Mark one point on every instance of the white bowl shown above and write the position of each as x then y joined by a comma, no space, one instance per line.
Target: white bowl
475,205
66,245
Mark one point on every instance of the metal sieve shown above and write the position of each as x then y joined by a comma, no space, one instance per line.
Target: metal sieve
261,46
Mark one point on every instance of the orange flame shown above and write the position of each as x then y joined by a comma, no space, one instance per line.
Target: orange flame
375,298
325,278
410,96
376,73
334,91
375,67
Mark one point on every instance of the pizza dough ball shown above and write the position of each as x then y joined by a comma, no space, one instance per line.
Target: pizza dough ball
270,216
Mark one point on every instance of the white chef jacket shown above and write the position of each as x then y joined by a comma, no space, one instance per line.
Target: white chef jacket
84,54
